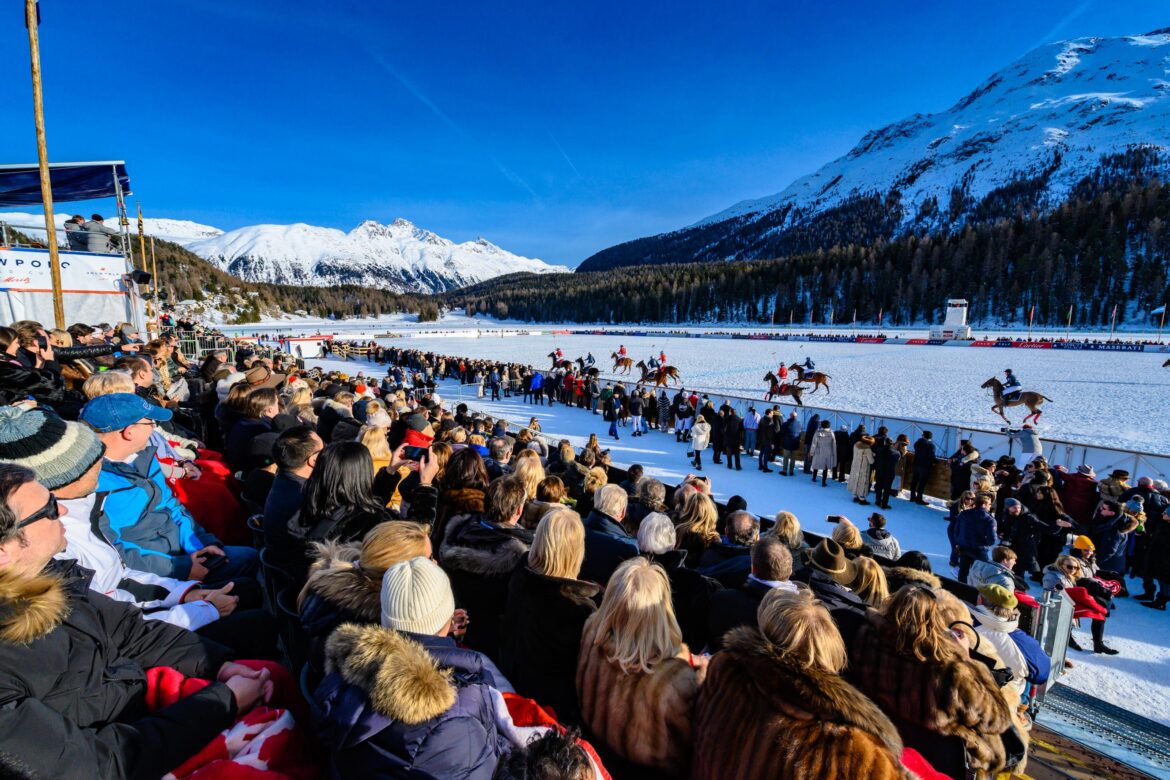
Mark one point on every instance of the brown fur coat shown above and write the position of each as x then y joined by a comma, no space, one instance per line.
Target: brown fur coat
957,698
644,718
758,717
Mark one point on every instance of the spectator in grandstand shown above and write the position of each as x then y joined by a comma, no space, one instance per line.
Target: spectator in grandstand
879,540
690,591
636,679
650,497
97,235
771,567
1157,563
260,406
696,528
151,529
741,529
75,233
296,452
404,697
997,571
925,456
345,580
998,622
869,582
547,606
905,655
73,662
781,684
461,493
607,542
332,412
480,552
67,459
787,528
1078,493
828,572
846,534
339,501
553,756
1065,574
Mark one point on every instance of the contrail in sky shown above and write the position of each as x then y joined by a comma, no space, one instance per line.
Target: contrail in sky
1076,12
564,154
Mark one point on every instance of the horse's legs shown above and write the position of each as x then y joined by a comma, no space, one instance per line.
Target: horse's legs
826,384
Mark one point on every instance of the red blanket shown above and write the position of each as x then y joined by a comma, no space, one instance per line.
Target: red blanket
212,501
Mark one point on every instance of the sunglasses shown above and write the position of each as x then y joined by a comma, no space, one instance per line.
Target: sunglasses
49,511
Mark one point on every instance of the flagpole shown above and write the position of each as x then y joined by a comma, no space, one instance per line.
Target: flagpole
1031,315
1113,322
151,322
155,279
31,21
1162,322
1068,326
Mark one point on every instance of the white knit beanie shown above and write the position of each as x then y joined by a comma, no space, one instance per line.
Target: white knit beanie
416,597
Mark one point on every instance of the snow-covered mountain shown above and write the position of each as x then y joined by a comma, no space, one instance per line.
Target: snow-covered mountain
1053,113
398,256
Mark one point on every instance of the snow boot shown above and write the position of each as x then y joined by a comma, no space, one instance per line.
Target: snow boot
1158,603
1101,647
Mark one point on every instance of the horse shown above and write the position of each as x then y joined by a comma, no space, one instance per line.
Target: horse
1027,398
559,363
1166,364
776,388
624,363
658,375
590,371
815,378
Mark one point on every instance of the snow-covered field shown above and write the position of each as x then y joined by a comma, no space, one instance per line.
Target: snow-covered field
1115,399
1138,678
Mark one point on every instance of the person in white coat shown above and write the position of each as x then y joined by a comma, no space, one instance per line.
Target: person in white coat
859,474
700,439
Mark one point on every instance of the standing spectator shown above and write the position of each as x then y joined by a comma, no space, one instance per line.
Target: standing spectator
733,436
1078,493
1115,485
1110,529
764,440
97,235
885,462
637,681
859,473
700,434
547,607
881,541
810,430
925,455
1157,564
960,464
790,443
75,233
822,453
1029,441
844,454
751,424
976,534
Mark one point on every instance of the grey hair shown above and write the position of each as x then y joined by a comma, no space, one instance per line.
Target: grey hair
656,534
650,489
611,500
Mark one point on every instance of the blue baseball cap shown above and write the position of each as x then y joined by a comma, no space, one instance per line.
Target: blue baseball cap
115,411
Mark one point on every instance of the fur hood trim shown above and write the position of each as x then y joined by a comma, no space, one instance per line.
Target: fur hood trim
341,409
476,550
461,501
30,606
824,696
399,677
337,579
907,575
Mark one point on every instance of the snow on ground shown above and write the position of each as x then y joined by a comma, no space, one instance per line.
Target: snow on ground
1138,678
1112,399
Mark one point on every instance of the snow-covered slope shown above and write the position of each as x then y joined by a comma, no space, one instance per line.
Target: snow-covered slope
1081,98
398,256
177,230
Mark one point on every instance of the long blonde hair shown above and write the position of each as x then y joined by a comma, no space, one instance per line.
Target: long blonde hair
558,546
528,468
846,534
787,529
595,479
870,584
802,630
698,516
635,623
107,383
302,395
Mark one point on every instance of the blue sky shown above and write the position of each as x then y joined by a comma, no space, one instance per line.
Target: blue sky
553,131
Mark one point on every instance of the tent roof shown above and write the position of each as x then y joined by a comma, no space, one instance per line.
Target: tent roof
20,185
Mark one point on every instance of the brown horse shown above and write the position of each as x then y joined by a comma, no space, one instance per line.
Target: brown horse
658,375
775,387
1027,398
815,378
559,363
624,363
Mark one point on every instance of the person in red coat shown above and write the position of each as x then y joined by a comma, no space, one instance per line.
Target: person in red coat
1079,495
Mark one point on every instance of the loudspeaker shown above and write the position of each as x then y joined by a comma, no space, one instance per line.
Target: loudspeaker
140,277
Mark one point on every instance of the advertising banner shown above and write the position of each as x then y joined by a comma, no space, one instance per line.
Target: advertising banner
94,287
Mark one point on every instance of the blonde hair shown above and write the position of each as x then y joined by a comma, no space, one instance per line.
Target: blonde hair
302,395
383,546
635,622
107,383
846,534
870,584
802,630
595,480
698,516
303,412
61,338
527,467
374,439
441,452
917,627
787,529
558,545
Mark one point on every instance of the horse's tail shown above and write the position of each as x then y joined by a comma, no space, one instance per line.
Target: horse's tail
1046,398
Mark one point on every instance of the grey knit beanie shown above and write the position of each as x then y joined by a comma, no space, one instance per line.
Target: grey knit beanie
416,597
58,452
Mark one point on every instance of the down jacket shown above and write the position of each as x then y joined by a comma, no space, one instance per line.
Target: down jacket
760,717
398,705
73,682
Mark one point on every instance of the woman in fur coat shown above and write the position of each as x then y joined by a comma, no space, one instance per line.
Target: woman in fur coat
775,706
860,472
636,679
907,660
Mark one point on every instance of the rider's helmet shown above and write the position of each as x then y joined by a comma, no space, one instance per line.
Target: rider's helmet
1007,370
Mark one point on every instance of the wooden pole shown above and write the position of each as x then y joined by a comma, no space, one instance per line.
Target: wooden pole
34,48
155,281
